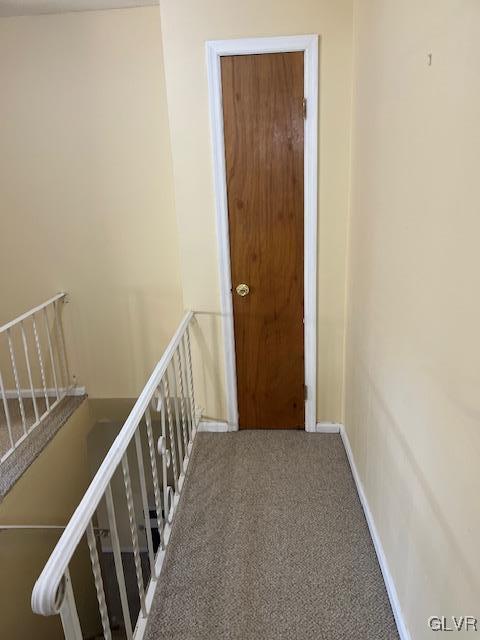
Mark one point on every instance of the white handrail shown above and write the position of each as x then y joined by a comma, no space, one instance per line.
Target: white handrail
45,589
27,314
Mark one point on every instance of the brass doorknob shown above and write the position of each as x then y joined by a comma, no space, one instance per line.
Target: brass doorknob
243,290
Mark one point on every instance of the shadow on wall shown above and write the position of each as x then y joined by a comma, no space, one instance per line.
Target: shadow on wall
391,475
147,336
208,365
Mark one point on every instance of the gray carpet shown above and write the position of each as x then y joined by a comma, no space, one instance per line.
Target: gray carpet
26,453
270,542
16,420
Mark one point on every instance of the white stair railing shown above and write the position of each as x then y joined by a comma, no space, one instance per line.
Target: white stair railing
34,375
168,403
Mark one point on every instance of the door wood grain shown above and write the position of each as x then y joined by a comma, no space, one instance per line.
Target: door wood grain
264,153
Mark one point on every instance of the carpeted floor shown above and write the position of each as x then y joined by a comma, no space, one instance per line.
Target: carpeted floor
270,543
16,420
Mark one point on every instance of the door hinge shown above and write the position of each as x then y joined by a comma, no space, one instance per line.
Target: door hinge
304,108
305,391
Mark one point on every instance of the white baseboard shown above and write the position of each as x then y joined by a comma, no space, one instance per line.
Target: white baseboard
11,394
327,427
382,560
77,391
213,426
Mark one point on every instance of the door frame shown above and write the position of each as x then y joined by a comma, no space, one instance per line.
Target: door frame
215,49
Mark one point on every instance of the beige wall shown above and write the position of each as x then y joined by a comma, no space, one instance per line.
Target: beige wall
185,29
86,188
47,493
87,193
413,374
87,184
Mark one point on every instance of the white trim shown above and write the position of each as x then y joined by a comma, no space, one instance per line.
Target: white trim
220,188
77,391
11,394
328,427
215,49
377,543
213,426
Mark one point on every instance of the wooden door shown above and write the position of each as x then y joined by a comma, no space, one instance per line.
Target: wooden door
264,152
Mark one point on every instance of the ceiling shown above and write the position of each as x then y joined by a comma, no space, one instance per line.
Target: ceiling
33,7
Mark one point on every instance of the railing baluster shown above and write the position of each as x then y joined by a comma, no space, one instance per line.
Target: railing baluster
68,612
177,417
52,593
189,358
97,575
185,386
40,361
52,360
143,491
29,370
165,453
117,557
173,454
17,382
134,532
62,349
30,418
153,464
7,411
182,401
